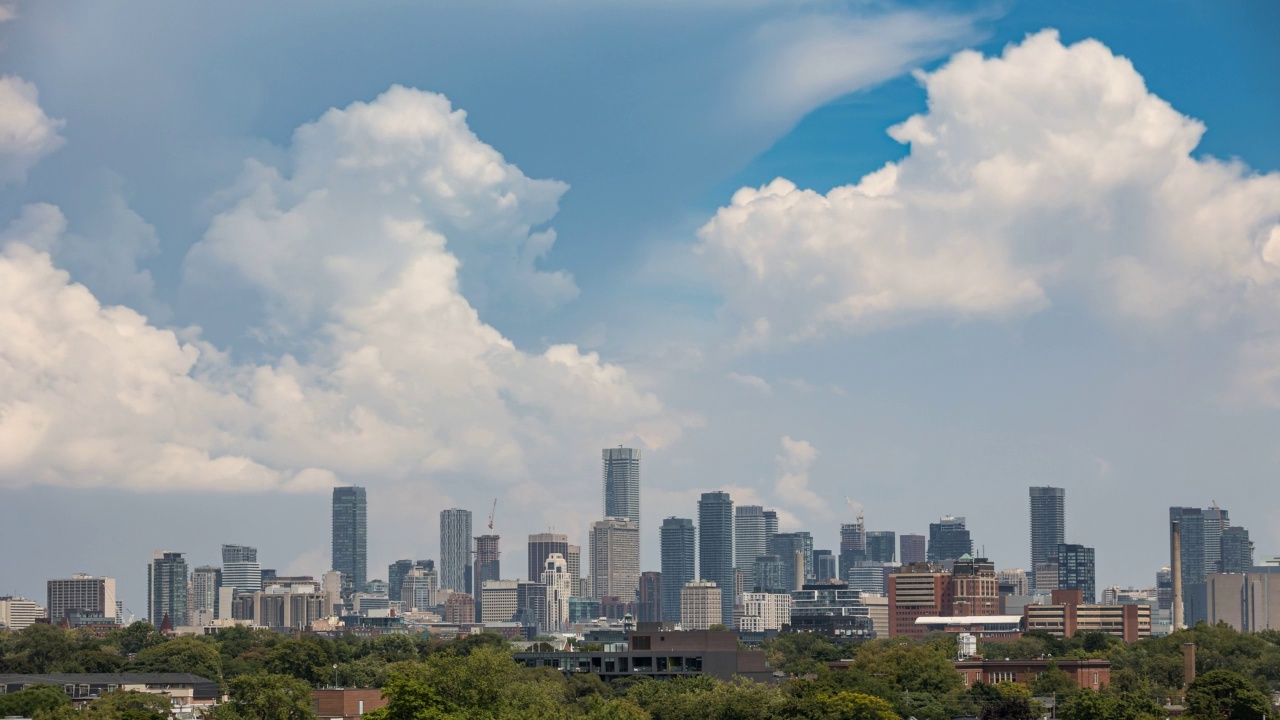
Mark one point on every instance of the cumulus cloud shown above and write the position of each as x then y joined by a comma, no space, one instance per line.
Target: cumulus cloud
754,382
26,133
1049,169
792,486
401,379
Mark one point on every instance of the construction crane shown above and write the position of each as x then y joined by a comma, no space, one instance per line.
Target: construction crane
854,507
492,512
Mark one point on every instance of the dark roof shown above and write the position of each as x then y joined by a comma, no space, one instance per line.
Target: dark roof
108,678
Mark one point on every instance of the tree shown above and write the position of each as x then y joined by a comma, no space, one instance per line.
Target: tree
136,637
28,701
856,706
308,660
181,655
1011,708
128,705
270,697
617,709
1054,681
1226,695
45,647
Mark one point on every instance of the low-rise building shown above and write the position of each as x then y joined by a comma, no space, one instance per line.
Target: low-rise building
1067,617
985,627
1090,674
346,703
184,690
764,611
833,609
660,654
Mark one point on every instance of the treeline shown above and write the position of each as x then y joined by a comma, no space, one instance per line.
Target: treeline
269,677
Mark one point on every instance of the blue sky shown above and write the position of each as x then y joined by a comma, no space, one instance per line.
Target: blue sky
1094,310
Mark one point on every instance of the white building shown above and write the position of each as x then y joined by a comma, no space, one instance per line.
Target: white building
559,589
878,609
1017,577
699,605
615,558
764,611
419,590
499,600
18,612
95,596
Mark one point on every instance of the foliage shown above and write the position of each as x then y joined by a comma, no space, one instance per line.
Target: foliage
181,655
1225,695
1110,706
127,705
268,697
26,702
1054,681
1010,708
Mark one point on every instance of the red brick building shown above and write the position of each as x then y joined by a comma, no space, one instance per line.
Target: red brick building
1091,674
915,591
346,703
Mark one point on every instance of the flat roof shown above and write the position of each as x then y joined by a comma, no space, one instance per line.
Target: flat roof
970,620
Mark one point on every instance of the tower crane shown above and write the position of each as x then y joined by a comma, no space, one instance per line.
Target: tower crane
854,507
492,512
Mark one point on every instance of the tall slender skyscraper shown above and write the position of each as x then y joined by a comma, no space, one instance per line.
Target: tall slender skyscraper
679,558
205,581
749,541
1048,524
770,525
455,550
715,547
167,589
350,538
1216,521
621,475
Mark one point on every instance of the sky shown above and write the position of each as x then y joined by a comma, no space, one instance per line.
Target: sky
919,255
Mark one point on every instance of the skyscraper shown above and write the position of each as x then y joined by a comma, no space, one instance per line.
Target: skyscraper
1194,591
1237,550
395,577
880,546
825,566
794,551
92,596
486,565
1076,570
615,558
749,539
574,560
853,546
455,550
240,568
679,558
350,538
1048,523
205,581
541,547
167,589
715,547
555,576
621,475
912,548
649,598
948,539
1216,521
770,525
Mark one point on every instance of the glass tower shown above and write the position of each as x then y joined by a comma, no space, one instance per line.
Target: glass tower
749,539
1075,570
948,539
240,568
167,589
350,538
679,558
620,468
715,547
1191,523
1048,523
880,546
455,550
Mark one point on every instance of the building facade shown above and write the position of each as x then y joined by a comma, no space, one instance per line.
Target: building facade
541,547
975,588
240,568
1190,523
762,612
620,471
825,566
167,589
555,575
455,550
700,605
881,546
915,591
205,581
350,537
1048,523
853,546
678,540
715,547
948,539
499,601
649,598
487,565
1076,570
794,551
91,596
1237,550
912,549
749,540
615,558
16,613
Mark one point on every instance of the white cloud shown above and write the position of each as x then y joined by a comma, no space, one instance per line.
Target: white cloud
26,133
752,381
792,486
1049,168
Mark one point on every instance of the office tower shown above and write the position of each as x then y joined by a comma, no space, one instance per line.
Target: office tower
825,566
700,605
1015,579
770,525
167,589
1216,521
499,601
975,588
912,548
395,577
240,568
1164,588
715,546
649,599
486,565
419,588
749,540
615,558
880,546
574,560
350,538
531,604
677,538
1191,522
948,539
853,546
555,575
916,591
1048,523
88,595
205,581
17,613
795,556
620,468
1237,550
1075,570
455,550
869,577
541,547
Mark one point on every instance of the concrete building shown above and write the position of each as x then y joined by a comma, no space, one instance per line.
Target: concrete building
419,588
762,612
878,611
167,589
916,591
499,601
240,569
205,581
880,546
16,613
1091,674
285,607
555,576
662,654
350,538
749,541
948,539
460,609
1068,616
831,609
1044,576
92,596
615,558
870,577
975,590
1248,602
1075,570
853,546
487,565
1015,579
700,605
912,549
541,547
678,540
649,598
455,550
715,547
1048,523
574,560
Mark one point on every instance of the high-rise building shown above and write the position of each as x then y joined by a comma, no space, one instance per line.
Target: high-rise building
1237,550
574,560
1191,522
880,546
975,588
1216,522
649,599
1015,579
795,555
749,540
460,609
948,539
1075,570
555,576
1048,523
455,550
853,546
499,601
915,591
86,594
240,568
1164,588
764,611
205,581
486,566
419,588
700,605
912,549
531,602
615,558
768,575
825,566
16,613
869,577
620,468
770,525
350,538
395,577
715,546
541,547
167,589
678,539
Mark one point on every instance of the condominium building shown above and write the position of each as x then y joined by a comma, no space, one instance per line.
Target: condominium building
832,609
762,612
350,538
678,540
240,569
1076,570
768,574
167,589
91,596
700,605
1048,523
715,547
205,581
455,550
615,558
620,475
749,540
